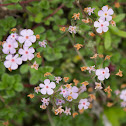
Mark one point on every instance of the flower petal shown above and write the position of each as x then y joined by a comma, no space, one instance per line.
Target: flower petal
105,8
46,81
49,91
43,91
105,29
52,85
110,11
21,39
100,13
14,66
101,77
99,30
7,64
32,38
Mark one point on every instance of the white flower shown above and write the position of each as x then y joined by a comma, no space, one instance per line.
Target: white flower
58,79
27,37
13,36
45,101
64,92
102,26
27,53
83,104
123,104
9,46
82,88
72,29
91,68
89,10
123,95
105,13
72,92
67,111
47,87
12,62
103,73
43,43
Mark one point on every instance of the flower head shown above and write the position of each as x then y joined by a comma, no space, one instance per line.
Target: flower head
67,111
98,85
103,73
35,65
58,79
27,37
27,53
43,43
89,10
45,101
59,102
83,104
72,29
102,26
123,95
9,46
12,61
47,87
105,13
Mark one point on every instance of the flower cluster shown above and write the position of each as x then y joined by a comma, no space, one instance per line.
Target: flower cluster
18,48
103,22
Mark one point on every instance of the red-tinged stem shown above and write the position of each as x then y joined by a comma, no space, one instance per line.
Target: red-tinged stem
22,2
54,12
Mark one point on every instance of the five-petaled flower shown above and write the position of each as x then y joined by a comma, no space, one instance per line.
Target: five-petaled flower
12,61
83,104
27,53
72,29
45,101
47,87
9,46
67,111
102,26
43,43
123,95
105,13
103,73
27,37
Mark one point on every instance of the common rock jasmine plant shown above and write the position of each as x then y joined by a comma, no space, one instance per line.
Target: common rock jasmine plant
65,96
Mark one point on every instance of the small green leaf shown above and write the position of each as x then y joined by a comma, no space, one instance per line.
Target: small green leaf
24,68
119,18
18,87
118,32
107,42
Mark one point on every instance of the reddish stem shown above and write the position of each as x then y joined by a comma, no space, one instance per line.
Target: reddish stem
22,2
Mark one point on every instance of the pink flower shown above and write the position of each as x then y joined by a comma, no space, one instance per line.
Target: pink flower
117,92
58,79
12,62
59,102
91,68
98,85
123,104
83,88
9,46
103,73
45,101
89,10
27,37
67,111
73,92
35,65
83,104
27,53
105,13
102,26
123,95
64,92
72,29
43,43
47,87
13,36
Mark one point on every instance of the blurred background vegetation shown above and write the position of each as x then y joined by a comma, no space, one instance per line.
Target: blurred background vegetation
46,17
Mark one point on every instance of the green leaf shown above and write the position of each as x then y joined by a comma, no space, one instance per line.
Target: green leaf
118,32
119,18
107,42
18,87
44,4
34,79
24,68
38,17
2,68
39,30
